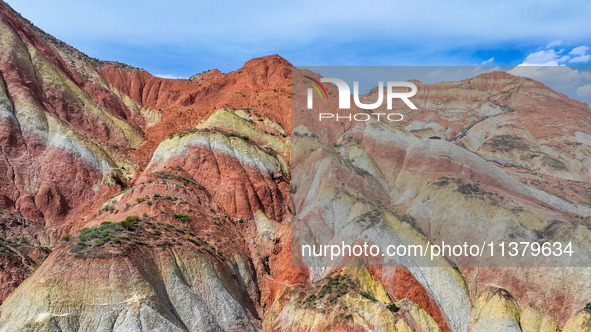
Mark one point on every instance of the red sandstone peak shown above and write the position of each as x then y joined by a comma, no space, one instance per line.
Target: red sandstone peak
496,75
270,64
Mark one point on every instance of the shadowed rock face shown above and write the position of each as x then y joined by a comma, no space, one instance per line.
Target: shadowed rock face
130,202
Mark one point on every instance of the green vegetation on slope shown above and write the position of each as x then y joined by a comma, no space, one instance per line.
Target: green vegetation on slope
107,232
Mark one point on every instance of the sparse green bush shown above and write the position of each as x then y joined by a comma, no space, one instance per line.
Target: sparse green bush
368,295
244,137
269,150
359,171
407,218
105,232
392,307
182,217
554,163
108,208
506,143
66,238
336,285
4,248
221,254
183,179
442,181
129,222
193,240
468,188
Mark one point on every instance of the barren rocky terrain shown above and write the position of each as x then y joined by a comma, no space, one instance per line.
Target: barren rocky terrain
130,202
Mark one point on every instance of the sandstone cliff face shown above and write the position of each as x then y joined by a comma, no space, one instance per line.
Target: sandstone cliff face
421,179
351,300
130,202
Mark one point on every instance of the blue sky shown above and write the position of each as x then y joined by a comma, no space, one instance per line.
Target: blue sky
179,38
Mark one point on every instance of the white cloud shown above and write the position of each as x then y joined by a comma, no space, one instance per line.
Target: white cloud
281,23
581,50
581,59
584,91
488,61
552,57
174,77
205,34
542,58
554,75
580,54
554,44
568,80
549,67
